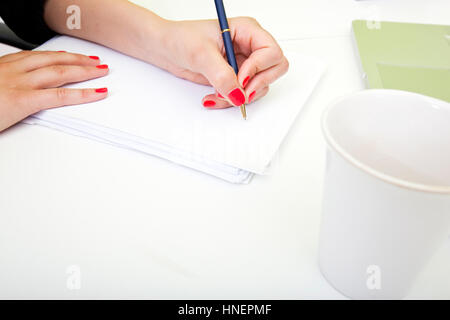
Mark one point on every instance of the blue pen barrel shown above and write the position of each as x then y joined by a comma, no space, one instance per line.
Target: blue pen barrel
227,41
230,55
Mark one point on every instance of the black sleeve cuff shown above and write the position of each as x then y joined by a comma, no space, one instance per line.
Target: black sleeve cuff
26,19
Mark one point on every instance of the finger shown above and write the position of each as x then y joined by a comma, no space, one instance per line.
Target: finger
220,97
58,75
259,61
58,97
257,44
15,56
41,59
213,102
267,77
221,76
256,95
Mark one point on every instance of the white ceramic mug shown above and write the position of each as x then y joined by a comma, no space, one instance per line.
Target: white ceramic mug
386,206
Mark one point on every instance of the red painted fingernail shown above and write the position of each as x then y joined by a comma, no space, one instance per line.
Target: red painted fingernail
251,96
94,57
102,66
237,97
101,90
220,96
209,103
244,84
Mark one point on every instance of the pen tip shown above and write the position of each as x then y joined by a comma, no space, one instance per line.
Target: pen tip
244,112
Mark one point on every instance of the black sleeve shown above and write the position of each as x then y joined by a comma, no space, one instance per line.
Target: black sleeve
26,19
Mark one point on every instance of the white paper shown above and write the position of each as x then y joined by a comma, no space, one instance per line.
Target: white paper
150,110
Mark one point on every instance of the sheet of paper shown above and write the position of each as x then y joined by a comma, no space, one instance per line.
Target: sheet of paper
152,105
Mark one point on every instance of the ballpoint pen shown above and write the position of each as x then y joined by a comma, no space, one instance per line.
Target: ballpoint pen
228,43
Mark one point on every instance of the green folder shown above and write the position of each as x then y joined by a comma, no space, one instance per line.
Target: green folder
405,56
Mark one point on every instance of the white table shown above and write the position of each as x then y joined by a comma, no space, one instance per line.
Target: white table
141,227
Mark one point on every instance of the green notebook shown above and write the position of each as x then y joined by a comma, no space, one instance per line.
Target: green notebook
405,56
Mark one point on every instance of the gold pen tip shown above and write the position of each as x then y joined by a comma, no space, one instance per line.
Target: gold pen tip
244,112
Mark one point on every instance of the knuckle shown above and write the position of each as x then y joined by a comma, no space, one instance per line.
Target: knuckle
17,95
87,72
85,94
80,59
251,20
264,82
285,65
26,100
194,58
59,71
277,54
264,92
62,95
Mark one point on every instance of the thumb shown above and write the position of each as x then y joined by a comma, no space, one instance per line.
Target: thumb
223,78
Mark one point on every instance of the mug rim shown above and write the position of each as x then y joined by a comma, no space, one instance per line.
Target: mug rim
403,183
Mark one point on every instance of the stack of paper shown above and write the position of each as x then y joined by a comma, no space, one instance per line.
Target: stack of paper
152,111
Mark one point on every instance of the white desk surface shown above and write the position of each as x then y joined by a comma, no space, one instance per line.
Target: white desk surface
141,227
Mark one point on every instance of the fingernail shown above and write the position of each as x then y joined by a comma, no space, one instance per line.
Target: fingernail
209,103
220,96
237,97
102,66
101,90
94,57
251,96
244,84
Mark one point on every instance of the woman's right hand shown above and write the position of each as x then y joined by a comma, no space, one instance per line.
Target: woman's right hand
30,81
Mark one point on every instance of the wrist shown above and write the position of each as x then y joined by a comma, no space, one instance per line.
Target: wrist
155,39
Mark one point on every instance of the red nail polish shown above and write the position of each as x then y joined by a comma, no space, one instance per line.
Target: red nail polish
94,57
237,97
209,103
244,84
220,96
251,96
102,66
101,90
